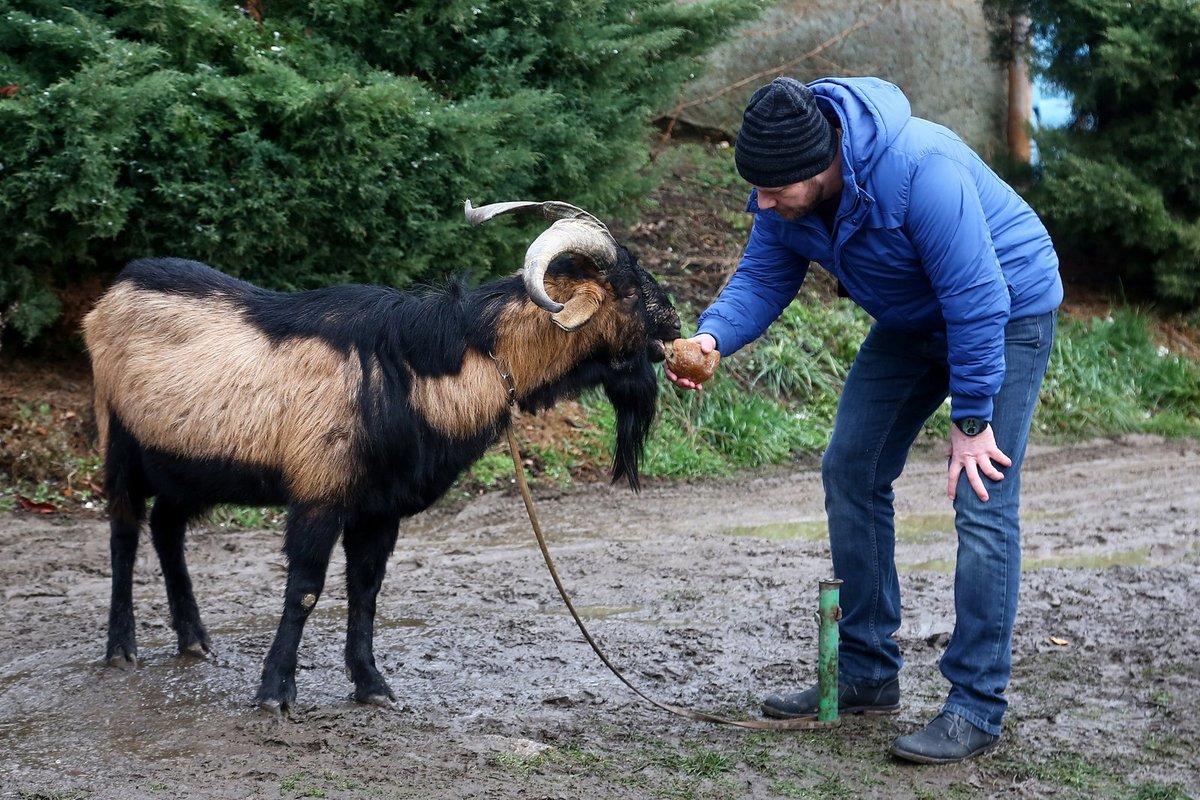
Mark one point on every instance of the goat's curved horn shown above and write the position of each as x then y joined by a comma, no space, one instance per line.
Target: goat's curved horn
581,237
552,210
574,231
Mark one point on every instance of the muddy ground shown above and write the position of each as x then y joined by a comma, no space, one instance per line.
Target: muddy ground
705,592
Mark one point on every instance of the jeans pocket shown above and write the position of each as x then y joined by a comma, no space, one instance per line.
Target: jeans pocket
1030,332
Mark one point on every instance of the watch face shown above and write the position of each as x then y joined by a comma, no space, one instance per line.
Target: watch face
971,426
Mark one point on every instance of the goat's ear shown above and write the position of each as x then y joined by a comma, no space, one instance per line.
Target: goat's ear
579,307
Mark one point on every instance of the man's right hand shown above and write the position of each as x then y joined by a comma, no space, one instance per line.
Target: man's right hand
707,345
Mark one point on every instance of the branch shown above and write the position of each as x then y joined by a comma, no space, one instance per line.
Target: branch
825,45
758,76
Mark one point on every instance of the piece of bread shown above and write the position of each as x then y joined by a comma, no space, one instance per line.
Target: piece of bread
687,360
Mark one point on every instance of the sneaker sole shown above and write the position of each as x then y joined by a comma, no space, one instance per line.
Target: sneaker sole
921,758
865,711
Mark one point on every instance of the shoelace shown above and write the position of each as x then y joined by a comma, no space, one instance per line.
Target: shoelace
959,732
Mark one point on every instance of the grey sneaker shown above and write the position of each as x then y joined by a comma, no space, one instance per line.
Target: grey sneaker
882,699
947,739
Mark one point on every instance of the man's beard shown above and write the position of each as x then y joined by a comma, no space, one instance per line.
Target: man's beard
792,214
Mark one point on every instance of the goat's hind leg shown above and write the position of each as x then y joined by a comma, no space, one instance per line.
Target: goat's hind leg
125,524
368,542
125,488
168,525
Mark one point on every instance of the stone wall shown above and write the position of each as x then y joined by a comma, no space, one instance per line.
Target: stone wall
935,50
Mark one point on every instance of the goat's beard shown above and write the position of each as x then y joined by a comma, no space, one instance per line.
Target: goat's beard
632,388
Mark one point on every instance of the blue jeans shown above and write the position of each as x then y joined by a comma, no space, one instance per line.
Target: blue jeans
898,380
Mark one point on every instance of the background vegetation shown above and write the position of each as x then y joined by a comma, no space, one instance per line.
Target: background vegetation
1120,185
1115,370
296,144
302,143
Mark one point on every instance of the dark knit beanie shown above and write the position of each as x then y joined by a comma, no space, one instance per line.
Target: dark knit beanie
784,137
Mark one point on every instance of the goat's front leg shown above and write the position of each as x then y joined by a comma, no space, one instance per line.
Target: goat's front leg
368,541
308,542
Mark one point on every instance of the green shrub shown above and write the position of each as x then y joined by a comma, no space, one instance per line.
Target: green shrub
327,141
1120,187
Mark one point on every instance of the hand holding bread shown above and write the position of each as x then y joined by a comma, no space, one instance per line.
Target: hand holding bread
687,359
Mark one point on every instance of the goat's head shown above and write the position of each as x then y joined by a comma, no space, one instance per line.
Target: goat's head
576,243
650,319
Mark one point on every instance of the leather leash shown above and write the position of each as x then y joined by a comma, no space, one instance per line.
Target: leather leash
770,725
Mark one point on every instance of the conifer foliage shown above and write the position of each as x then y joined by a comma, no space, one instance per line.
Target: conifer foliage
297,143
1120,185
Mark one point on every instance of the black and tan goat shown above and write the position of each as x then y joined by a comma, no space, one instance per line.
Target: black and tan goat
354,406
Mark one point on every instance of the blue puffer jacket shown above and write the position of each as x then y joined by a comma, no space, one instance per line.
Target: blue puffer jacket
926,238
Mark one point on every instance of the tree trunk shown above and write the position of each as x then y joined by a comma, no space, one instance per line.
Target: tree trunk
1020,93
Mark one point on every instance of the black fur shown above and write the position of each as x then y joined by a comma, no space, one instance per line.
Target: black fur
404,464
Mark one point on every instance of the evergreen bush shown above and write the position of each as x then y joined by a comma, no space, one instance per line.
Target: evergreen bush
295,144
1120,186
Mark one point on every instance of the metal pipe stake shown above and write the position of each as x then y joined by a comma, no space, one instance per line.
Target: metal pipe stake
828,615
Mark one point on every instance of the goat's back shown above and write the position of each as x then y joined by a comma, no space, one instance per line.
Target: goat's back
179,359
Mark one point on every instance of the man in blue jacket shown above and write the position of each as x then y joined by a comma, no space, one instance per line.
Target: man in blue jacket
962,280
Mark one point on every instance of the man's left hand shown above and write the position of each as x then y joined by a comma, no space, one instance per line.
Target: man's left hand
974,454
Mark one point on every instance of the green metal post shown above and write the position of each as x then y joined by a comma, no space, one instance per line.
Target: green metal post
827,649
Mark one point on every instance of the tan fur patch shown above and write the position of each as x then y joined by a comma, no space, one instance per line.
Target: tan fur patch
190,376
533,349
461,405
539,352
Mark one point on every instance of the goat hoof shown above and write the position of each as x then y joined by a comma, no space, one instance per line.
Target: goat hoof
272,708
276,697
200,650
122,659
381,700
375,693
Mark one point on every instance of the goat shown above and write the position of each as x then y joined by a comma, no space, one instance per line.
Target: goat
354,406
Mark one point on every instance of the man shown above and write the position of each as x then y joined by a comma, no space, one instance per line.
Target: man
962,280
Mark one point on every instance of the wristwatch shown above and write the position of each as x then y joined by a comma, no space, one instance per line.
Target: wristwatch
971,426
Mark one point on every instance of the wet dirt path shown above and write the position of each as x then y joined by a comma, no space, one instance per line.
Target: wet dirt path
704,591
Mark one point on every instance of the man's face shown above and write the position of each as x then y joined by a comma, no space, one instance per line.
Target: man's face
798,199
794,200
